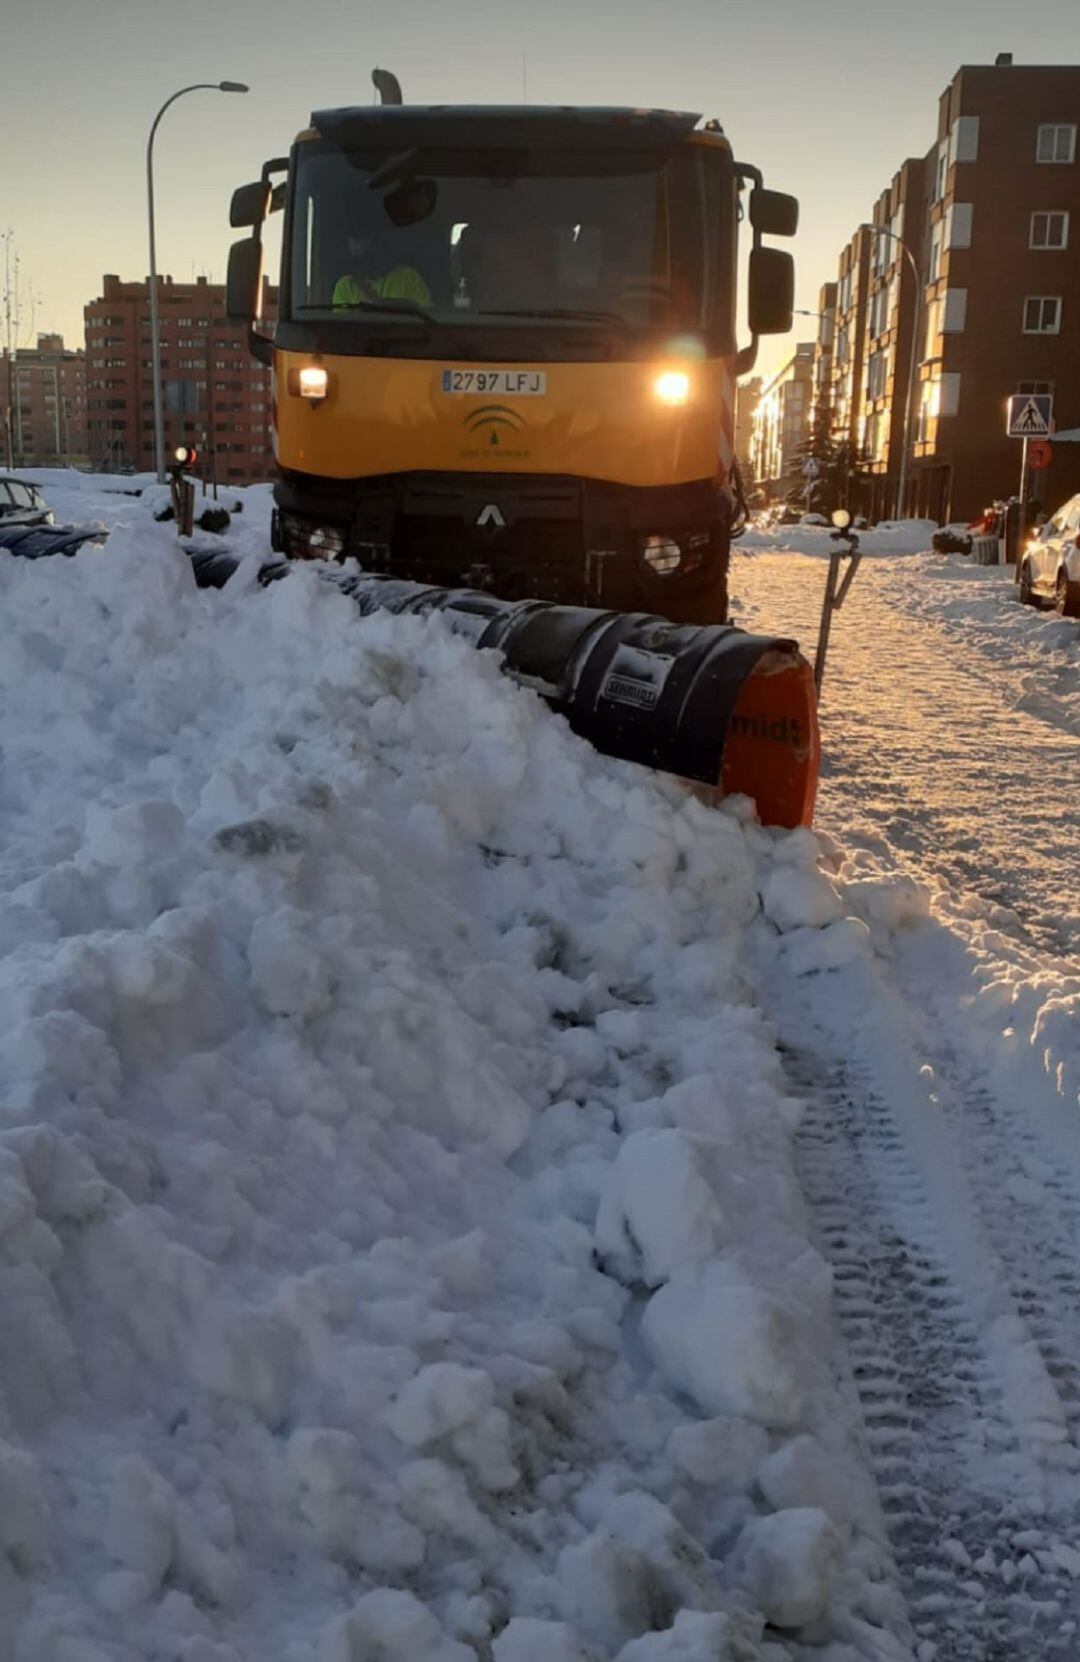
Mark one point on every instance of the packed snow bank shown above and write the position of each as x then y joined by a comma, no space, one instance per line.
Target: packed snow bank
401,1250
903,536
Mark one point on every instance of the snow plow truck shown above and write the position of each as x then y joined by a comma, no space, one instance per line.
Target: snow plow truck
504,361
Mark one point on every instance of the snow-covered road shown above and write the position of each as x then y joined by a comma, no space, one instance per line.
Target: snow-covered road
942,1162
950,745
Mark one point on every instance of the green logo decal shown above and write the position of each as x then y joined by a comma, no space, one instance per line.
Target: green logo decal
491,419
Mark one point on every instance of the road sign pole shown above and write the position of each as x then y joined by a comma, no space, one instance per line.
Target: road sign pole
1023,480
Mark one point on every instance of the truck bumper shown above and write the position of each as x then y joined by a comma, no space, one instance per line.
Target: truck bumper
575,541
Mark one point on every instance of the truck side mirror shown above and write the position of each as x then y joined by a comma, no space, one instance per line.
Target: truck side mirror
772,292
773,212
250,204
243,285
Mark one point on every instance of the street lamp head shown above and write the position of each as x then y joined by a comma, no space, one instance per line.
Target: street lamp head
232,86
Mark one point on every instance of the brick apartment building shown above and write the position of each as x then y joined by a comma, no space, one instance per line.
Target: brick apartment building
991,217
43,394
216,396
781,420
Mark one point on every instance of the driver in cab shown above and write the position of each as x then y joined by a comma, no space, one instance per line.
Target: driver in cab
365,284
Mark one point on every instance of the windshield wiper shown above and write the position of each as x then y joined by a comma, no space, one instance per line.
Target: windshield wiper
401,308
567,312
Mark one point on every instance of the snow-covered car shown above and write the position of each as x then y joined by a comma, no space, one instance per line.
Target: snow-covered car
22,504
1050,567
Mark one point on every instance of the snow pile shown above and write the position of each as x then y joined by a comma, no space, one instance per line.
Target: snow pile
400,1249
903,536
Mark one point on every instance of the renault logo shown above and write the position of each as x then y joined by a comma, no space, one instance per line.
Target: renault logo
491,515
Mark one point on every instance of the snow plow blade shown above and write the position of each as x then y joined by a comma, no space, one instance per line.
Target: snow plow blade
709,703
38,542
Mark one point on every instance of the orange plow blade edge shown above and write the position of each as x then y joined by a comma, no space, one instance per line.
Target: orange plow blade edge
772,751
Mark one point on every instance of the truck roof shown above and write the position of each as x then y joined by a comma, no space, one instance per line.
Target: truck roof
514,125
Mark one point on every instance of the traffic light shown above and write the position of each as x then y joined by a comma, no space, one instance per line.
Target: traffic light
181,490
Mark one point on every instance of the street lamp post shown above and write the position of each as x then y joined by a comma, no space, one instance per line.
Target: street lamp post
881,231
155,346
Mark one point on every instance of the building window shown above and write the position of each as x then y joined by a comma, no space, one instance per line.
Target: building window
881,253
879,312
954,315
948,400
958,225
1056,143
934,269
1035,387
1042,314
965,138
877,371
182,397
942,170
1049,230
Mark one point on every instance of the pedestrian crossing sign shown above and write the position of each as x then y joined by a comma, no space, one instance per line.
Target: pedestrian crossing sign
1031,415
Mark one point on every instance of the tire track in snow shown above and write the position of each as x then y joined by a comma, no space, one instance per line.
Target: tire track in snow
964,1362
976,1559
1033,1224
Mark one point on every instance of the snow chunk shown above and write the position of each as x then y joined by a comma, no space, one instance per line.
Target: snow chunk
795,897
24,1516
809,951
722,1453
248,1356
713,1334
440,1399
801,1474
888,904
388,1624
141,1529
140,832
610,1592
449,1400
791,1564
436,1498
694,1637
290,973
646,1525
657,1200
527,1639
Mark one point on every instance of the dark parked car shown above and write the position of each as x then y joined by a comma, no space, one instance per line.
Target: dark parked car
22,504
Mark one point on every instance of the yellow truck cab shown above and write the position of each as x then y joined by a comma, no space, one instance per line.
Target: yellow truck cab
505,351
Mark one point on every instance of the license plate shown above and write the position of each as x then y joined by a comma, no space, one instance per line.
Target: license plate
502,383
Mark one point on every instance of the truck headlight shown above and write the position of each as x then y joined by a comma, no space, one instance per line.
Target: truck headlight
661,554
312,382
672,387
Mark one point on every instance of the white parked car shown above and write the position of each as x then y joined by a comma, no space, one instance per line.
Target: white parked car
22,504
1050,565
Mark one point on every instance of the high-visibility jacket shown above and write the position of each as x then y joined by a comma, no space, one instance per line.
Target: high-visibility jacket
402,282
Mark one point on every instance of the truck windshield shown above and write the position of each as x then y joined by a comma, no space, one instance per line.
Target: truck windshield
582,240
